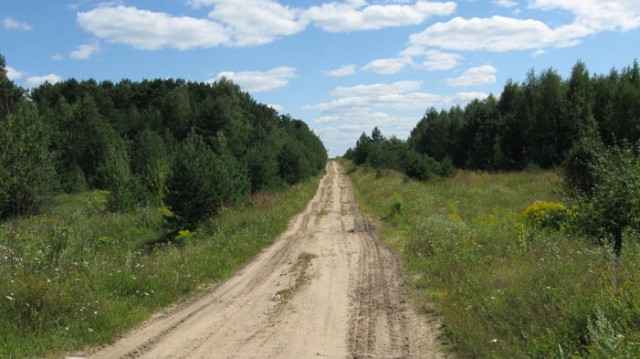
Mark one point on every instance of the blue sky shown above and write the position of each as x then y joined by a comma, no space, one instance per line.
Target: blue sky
341,66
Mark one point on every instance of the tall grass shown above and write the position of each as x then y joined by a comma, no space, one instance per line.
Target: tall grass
502,287
78,275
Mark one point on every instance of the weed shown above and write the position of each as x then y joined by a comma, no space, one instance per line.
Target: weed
300,277
502,287
78,275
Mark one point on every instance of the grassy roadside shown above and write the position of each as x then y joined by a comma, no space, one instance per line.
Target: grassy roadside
78,275
504,288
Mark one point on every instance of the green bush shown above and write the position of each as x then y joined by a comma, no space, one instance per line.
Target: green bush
609,202
201,182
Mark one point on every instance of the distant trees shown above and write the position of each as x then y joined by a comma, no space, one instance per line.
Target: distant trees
588,125
192,146
381,153
532,123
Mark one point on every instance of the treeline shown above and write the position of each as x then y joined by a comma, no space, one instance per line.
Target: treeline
531,124
192,146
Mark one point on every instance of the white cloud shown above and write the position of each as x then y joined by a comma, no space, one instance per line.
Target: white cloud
538,53
394,107
389,66
326,119
597,15
474,76
14,74
441,61
497,34
356,15
345,70
256,81
375,90
85,51
10,23
246,23
35,81
256,22
57,57
505,3
463,98
149,30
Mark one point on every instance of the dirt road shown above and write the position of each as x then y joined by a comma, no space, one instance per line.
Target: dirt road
326,289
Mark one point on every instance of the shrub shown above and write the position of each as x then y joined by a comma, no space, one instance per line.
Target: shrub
201,182
547,214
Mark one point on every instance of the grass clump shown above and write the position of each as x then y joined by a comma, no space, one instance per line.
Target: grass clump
79,275
300,277
504,278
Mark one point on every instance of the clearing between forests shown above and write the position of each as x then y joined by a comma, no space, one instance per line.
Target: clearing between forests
326,288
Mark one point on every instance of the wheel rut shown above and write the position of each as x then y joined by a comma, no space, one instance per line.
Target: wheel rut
351,303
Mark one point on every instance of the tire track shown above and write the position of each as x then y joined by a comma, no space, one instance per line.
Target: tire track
351,304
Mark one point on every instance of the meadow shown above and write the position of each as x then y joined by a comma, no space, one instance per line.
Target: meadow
503,286
77,275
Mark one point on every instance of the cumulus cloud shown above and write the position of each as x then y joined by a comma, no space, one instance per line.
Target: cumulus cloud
85,51
14,74
354,101
441,61
256,81
498,33
345,70
474,76
150,30
12,24
376,90
597,15
356,15
247,23
394,107
35,81
389,66
256,22
505,3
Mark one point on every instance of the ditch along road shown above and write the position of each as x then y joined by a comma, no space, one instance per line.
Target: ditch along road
327,288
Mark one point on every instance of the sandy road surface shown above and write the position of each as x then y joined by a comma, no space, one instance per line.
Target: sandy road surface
326,289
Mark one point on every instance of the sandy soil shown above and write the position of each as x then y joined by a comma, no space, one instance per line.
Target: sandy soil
326,289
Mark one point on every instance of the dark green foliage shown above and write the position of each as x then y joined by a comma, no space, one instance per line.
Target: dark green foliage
533,124
151,165
421,166
607,198
382,153
201,182
580,167
293,165
261,160
117,177
10,94
89,121
26,167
